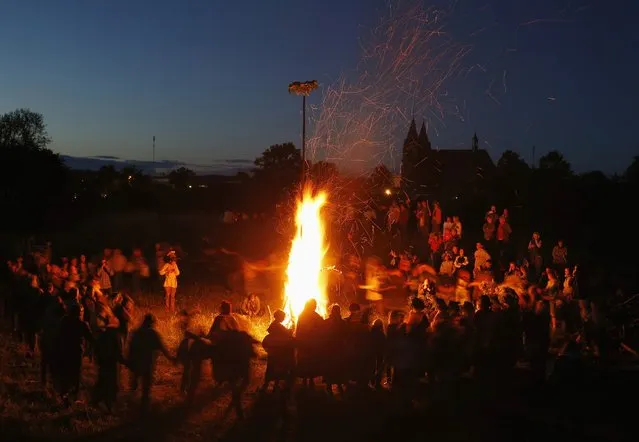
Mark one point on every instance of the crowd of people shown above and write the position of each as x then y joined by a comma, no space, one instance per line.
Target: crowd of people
478,314
79,308
427,311
79,315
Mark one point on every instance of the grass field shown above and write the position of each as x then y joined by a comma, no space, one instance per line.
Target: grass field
587,410
27,410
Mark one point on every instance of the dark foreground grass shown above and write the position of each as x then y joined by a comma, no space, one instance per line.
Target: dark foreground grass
586,409
29,410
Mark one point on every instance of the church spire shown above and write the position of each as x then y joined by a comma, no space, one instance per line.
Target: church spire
412,132
410,154
424,142
475,143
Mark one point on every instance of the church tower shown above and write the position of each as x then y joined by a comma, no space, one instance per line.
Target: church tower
424,142
427,165
412,136
475,143
411,154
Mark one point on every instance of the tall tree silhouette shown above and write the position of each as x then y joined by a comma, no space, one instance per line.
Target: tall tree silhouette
277,172
23,128
34,181
555,163
513,175
181,178
280,158
107,179
511,163
552,194
381,178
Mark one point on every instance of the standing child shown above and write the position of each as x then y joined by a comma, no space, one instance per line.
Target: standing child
170,271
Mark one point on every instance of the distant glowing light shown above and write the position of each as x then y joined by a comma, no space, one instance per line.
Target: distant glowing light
388,192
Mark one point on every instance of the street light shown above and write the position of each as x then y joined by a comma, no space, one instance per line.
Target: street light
303,88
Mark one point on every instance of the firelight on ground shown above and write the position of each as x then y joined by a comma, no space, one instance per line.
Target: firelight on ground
304,276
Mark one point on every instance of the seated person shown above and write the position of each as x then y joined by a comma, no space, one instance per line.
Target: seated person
251,305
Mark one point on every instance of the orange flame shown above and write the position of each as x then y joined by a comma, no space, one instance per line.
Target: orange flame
304,276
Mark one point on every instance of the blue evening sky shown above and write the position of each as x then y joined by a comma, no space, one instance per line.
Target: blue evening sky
209,78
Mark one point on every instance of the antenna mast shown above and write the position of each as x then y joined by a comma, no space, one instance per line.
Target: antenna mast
154,154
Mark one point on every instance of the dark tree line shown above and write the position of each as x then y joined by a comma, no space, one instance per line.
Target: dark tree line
30,170
591,211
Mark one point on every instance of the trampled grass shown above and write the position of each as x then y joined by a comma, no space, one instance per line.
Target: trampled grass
28,410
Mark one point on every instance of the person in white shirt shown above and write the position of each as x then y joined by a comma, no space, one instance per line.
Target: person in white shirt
461,260
170,271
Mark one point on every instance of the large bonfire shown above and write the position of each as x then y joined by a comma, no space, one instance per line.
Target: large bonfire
304,276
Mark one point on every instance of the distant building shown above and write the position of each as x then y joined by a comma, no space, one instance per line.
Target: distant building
202,181
443,173
160,179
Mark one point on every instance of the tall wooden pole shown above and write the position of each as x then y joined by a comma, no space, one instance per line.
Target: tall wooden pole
303,88
303,178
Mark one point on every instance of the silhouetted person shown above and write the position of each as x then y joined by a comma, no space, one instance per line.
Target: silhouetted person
485,321
54,312
538,340
108,354
359,359
378,339
307,333
410,349
509,336
224,321
124,312
145,343
183,356
394,334
279,345
335,350
74,332
31,313
195,349
416,329
233,351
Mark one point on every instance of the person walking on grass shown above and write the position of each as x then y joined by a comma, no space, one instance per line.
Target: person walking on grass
145,344
170,271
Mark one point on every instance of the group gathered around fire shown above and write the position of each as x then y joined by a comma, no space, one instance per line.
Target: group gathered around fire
460,313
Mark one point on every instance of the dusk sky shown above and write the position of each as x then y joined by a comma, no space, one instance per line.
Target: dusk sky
209,78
